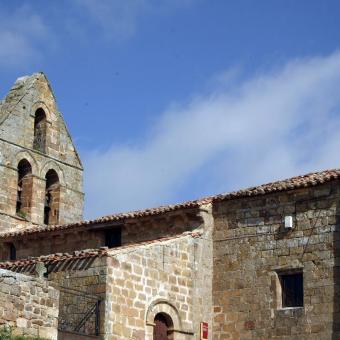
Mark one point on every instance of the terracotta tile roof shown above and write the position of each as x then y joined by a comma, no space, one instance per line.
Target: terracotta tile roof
308,180
53,258
87,253
297,182
110,218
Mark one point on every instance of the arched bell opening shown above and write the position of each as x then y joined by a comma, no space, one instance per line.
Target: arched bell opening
52,198
40,126
24,189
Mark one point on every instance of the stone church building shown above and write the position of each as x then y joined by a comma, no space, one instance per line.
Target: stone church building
259,263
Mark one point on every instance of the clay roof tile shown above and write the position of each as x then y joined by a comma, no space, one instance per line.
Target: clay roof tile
296,182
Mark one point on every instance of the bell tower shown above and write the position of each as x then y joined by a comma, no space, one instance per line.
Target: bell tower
41,175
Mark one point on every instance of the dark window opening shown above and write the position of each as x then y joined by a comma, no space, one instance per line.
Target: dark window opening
39,141
46,273
113,238
24,188
12,252
47,207
292,289
52,198
19,201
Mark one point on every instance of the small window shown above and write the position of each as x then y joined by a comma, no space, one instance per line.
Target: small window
292,289
12,251
113,238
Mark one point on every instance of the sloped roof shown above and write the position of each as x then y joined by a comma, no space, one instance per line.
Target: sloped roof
297,182
87,253
111,218
53,258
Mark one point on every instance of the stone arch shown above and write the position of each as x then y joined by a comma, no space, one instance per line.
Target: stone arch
41,105
24,188
169,311
24,154
52,197
40,130
51,165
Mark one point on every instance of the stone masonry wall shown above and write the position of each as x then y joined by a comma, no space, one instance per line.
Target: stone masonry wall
152,278
169,224
251,248
28,304
81,283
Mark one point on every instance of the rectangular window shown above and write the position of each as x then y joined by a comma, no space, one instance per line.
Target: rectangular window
292,289
113,237
12,252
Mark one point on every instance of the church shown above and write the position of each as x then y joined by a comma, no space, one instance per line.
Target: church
258,263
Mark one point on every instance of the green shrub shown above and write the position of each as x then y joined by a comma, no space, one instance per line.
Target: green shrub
6,334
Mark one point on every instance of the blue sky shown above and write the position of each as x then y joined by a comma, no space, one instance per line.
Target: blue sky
171,100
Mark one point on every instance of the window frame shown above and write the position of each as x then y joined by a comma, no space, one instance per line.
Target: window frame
11,251
117,232
283,278
292,289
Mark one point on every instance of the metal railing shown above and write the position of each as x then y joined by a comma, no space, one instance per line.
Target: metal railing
79,312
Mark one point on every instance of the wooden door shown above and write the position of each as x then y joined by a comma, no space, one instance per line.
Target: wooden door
160,331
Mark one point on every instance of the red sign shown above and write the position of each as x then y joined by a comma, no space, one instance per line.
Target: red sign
204,330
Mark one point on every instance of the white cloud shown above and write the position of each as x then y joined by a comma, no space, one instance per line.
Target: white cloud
119,19
29,32
21,32
274,125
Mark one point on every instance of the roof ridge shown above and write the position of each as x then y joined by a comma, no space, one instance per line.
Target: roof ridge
296,182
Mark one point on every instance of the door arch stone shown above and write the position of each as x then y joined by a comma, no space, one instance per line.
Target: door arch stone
170,316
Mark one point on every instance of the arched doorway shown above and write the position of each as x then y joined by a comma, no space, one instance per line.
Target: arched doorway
163,313
163,327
